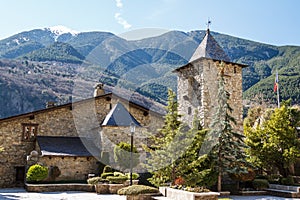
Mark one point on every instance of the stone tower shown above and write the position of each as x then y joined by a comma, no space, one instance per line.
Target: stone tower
198,83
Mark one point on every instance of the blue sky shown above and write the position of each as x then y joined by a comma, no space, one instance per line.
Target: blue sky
269,21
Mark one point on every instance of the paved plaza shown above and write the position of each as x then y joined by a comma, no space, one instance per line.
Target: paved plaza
21,194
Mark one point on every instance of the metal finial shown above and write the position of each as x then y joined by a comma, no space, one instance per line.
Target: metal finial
208,23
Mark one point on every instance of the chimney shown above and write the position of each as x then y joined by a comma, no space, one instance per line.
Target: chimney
99,90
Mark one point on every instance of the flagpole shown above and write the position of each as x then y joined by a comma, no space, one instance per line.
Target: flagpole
278,101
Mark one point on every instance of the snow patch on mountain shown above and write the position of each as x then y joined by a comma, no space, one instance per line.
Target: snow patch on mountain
59,30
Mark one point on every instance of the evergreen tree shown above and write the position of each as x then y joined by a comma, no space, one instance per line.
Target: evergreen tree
227,145
196,170
163,148
174,152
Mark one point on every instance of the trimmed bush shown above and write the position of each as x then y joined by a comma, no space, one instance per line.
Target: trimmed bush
274,178
135,176
118,174
287,181
137,189
260,184
107,169
36,173
95,180
117,179
105,175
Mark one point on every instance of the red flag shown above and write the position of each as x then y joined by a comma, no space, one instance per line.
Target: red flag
276,83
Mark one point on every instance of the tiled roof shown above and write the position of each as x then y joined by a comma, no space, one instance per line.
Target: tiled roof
66,146
119,116
209,48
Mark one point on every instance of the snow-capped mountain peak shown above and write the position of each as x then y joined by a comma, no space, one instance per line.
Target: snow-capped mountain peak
59,30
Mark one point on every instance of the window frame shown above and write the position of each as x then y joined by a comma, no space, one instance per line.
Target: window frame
29,131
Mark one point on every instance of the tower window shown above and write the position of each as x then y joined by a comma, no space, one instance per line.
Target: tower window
189,110
234,70
29,132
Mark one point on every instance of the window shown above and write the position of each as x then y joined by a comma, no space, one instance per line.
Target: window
189,110
29,132
234,70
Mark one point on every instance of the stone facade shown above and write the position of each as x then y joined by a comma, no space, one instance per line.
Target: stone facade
80,119
198,88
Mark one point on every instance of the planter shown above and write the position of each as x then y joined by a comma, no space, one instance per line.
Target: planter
134,182
102,188
141,196
113,188
181,194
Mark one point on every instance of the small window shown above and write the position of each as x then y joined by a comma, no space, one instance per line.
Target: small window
189,110
234,70
29,132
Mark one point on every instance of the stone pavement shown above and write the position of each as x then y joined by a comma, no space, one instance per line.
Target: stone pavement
21,194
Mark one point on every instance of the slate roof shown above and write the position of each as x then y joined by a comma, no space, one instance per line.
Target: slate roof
209,48
66,146
119,116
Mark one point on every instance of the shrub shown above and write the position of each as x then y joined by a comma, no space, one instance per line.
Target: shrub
274,178
36,173
135,176
137,189
95,180
117,179
118,174
287,181
107,169
105,175
259,184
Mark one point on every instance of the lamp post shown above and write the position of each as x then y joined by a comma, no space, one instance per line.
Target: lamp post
132,130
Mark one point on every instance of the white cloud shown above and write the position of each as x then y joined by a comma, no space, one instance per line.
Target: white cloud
119,3
122,21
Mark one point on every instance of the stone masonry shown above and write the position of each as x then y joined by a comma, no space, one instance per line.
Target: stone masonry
80,119
198,88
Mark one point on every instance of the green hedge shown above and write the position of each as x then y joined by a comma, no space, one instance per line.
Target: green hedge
135,176
105,175
116,179
260,184
137,189
96,180
36,173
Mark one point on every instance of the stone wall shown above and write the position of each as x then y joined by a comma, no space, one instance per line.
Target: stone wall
81,119
198,89
71,168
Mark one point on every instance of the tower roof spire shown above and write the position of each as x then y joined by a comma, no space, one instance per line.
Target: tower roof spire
209,48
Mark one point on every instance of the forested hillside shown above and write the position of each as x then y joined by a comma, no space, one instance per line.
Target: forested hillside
39,66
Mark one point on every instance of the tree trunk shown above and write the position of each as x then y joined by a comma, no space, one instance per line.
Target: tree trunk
220,180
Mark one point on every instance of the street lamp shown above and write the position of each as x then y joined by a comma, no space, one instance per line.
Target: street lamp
132,130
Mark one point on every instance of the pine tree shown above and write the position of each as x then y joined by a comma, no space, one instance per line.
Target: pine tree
164,151
227,145
196,170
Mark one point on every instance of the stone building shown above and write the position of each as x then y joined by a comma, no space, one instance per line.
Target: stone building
74,138
71,138
198,83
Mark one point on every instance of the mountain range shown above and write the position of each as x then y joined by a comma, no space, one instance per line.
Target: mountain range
61,65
